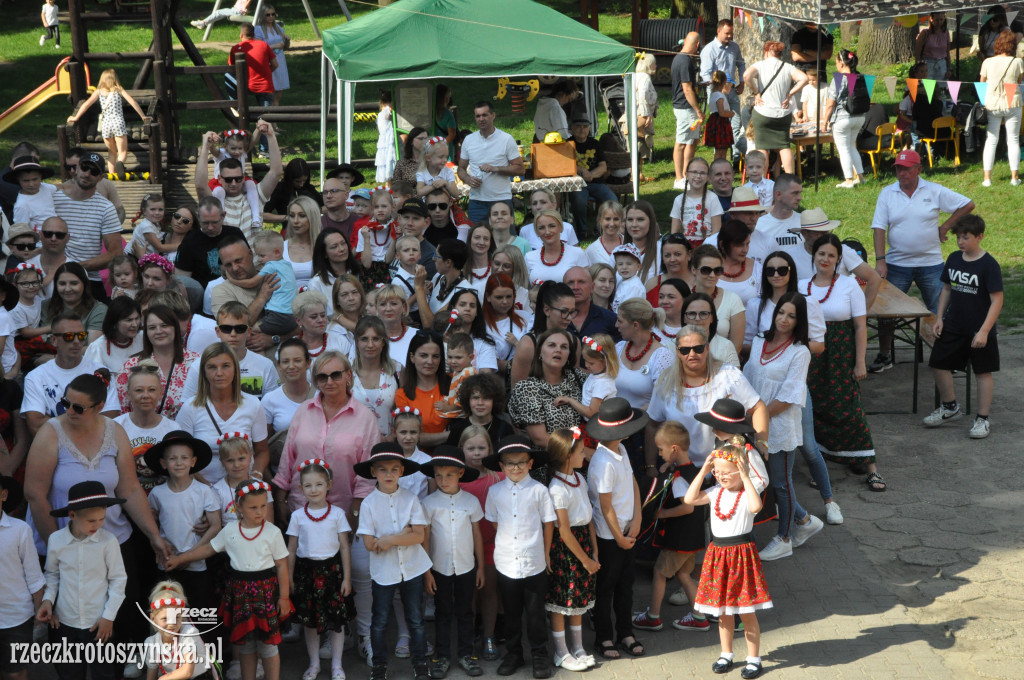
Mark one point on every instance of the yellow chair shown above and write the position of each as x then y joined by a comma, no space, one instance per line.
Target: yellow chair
886,135
946,130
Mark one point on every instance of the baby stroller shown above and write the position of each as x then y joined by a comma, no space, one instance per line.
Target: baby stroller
613,96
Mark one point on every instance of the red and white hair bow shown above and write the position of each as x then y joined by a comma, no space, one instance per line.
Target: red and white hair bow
253,488
436,140
405,409
591,343
379,188
314,461
166,602
231,435
576,432
28,266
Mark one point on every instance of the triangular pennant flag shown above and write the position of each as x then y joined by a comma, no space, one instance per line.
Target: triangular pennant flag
954,89
1011,89
912,86
851,82
760,23
965,17
929,87
890,86
837,81
981,89
869,81
1010,16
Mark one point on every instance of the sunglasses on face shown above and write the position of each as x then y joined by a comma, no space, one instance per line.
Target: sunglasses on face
228,328
334,376
92,170
77,408
59,235
73,335
23,246
232,180
70,168
708,271
437,206
695,316
143,369
685,351
777,271
180,218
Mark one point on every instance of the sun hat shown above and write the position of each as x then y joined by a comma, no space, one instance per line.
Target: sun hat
451,456
357,177
84,495
908,159
628,249
727,415
23,163
515,443
383,452
21,229
616,419
200,449
15,494
815,219
744,199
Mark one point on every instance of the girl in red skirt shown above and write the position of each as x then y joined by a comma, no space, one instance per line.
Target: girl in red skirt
718,130
731,581
256,596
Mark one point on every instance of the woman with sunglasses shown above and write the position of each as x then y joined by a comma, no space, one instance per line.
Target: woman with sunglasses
699,310
121,338
181,223
143,424
554,372
555,256
741,274
72,292
221,406
671,295
424,383
375,375
642,358
471,322
504,323
161,342
556,306
840,425
706,264
332,259
675,264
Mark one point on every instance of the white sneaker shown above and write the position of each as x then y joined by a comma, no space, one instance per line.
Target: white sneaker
679,184
981,428
801,532
832,513
776,550
1015,182
678,598
365,650
848,184
42,40
986,183
197,23
943,415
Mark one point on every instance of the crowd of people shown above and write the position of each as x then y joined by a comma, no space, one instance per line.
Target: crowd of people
318,409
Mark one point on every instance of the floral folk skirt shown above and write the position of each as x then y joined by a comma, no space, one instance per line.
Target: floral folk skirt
570,586
317,594
732,581
249,605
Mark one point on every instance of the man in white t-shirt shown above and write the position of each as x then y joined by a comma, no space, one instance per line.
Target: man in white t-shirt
783,218
44,386
488,161
258,373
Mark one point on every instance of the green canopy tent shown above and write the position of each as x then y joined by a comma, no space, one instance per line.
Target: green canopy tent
423,39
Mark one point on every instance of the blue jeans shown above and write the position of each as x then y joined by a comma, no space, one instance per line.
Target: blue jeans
578,200
479,211
812,454
780,472
926,278
411,592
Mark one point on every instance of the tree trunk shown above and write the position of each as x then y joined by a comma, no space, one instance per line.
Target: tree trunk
885,42
850,31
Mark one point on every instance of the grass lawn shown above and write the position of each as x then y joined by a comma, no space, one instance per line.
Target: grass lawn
24,65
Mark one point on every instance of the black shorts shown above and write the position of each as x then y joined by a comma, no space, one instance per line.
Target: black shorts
952,350
9,656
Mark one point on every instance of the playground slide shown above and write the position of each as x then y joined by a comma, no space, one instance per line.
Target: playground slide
59,84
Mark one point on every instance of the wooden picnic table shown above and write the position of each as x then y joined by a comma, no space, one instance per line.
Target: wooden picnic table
892,304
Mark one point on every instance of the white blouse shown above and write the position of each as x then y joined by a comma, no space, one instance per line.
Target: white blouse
303,270
846,300
744,289
784,379
502,349
541,271
756,325
380,398
636,385
573,499
730,306
601,386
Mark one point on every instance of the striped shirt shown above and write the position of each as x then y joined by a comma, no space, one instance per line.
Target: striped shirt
88,221
238,213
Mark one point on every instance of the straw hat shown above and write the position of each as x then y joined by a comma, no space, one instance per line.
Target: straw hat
744,199
815,219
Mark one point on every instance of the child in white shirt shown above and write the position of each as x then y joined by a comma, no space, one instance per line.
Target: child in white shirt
408,426
602,363
35,197
627,283
755,164
30,335
146,232
378,232
175,648
407,258
23,579
435,173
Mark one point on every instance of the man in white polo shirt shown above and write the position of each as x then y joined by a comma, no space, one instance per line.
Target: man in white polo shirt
488,162
907,220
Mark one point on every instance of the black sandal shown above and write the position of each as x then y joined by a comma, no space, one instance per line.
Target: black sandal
875,482
634,648
606,649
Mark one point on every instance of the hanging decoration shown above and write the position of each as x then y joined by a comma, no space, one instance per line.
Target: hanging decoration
1011,89
929,88
981,89
890,86
912,84
954,89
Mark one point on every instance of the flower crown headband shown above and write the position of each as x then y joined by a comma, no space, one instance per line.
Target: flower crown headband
157,260
726,455
28,266
592,344
381,187
406,409
436,140
235,133
254,487
231,435
166,602
576,432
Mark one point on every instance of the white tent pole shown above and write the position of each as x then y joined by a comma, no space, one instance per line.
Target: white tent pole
337,126
350,92
325,107
627,85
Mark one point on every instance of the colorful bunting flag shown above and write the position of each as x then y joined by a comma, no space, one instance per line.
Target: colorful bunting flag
954,89
870,82
851,82
1010,16
929,87
890,85
1011,89
981,89
912,86
837,81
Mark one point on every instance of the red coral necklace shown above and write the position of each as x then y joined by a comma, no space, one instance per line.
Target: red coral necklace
718,502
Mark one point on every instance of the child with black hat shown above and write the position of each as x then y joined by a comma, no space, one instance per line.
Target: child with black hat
392,526
524,518
83,563
35,198
22,582
616,499
182,502
456,547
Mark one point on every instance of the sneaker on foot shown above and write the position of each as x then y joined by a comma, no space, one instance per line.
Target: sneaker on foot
379,672
491,649
402,650
832,513
678,598
42,40
645,621
679,184
981,428
439,667
848,184
198,24
776,550
365,650
471,665
943,415
1015,182
689,622
882,362
986,183
802,532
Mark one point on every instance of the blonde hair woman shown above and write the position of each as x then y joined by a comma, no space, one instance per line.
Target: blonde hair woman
115,133
302,232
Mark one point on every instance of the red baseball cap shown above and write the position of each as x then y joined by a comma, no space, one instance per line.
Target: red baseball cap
908,158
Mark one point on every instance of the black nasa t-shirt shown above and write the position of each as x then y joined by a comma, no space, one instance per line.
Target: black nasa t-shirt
970,283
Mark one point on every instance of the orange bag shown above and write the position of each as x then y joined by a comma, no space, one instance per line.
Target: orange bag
553,160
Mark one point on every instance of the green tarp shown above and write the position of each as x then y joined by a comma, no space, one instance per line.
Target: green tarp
470,39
